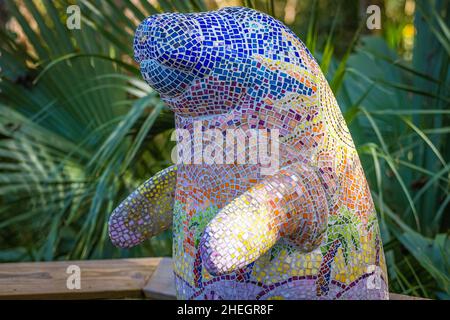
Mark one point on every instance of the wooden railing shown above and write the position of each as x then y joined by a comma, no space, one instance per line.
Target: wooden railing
150,278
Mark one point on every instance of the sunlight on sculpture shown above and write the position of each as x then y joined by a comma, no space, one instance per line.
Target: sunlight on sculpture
308,230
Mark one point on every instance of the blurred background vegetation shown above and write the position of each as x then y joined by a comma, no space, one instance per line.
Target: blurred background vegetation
79,129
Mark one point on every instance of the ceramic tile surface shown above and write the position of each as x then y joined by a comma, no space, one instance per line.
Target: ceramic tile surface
307,231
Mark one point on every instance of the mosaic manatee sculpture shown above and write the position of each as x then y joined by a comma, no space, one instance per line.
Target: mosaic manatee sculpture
307,231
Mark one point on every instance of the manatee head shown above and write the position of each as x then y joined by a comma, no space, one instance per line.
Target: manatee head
207,63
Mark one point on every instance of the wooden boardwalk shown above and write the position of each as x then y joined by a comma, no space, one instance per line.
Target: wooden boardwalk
150,278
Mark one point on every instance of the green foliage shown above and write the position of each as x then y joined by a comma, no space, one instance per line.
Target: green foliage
398,114
80,129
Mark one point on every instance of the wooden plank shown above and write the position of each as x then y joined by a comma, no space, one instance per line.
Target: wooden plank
161,284
122,278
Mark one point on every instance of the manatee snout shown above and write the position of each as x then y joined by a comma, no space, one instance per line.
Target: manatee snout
168,48
198,63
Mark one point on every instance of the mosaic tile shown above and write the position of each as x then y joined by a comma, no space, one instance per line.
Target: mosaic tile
309,230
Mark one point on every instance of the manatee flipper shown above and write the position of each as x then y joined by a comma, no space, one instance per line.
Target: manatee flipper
291,204
146,212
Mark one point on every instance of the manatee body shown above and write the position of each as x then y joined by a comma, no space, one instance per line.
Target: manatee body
309,229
